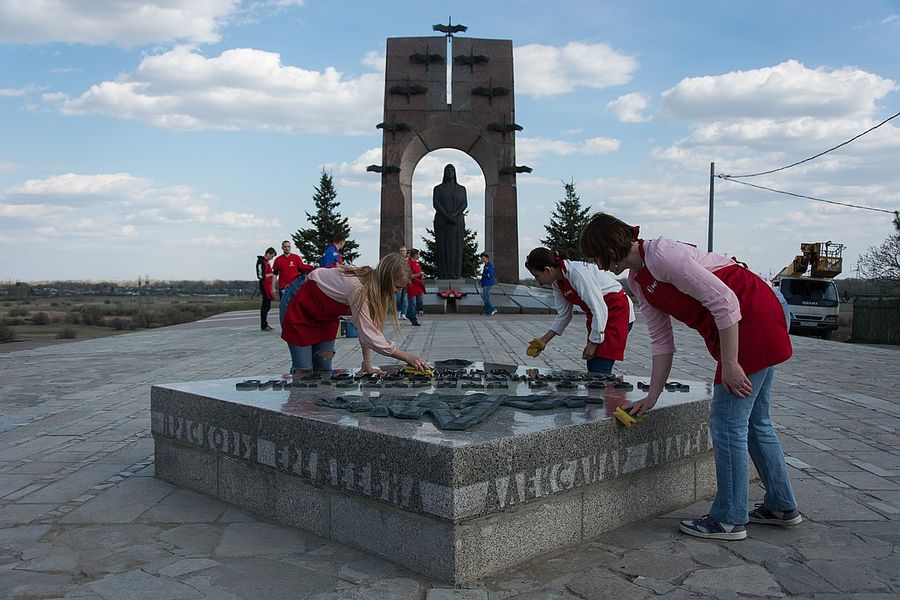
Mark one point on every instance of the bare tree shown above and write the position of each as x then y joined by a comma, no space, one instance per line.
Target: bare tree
882,263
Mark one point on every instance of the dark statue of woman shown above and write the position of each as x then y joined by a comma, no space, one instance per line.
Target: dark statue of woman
449,225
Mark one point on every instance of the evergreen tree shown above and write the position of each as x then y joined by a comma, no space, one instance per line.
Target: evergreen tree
566,223
471,260
326,223
427,254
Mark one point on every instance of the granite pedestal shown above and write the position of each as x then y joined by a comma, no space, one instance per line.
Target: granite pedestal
454,505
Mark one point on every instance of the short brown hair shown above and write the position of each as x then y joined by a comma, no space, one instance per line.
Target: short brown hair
606,239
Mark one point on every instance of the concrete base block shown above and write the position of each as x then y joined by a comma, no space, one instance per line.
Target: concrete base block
186,467
454,505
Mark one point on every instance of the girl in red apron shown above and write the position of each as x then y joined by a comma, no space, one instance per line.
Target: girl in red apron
742,320
312,306
608,309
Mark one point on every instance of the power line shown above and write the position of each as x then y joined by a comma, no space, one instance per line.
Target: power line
761,187
817,155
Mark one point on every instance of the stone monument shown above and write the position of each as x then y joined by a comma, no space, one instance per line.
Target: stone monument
450,205
458,478
479,120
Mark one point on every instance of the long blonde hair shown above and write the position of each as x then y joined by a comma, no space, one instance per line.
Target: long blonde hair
379,284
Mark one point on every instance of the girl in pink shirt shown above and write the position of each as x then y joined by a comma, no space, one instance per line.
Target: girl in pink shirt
312,307
743,323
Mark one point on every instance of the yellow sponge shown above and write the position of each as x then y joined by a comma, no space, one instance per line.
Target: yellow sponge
626,418
413,371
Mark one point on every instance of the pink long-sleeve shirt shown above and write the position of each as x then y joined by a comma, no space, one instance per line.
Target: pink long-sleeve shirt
347,289
691,271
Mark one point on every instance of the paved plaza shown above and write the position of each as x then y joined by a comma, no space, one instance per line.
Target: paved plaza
81,515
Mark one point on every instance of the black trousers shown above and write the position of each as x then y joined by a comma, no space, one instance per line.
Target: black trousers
264,311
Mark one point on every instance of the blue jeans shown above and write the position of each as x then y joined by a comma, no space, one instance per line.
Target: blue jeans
402,302
486,297
738,425
317,356
600,365
784,307
414,305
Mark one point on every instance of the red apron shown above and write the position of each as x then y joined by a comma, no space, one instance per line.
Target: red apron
763,340
616,333
312,317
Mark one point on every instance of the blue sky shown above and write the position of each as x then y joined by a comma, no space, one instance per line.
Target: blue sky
179,139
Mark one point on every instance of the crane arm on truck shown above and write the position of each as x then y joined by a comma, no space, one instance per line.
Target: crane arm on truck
822,259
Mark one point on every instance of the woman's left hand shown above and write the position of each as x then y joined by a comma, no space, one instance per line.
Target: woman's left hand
369,369
735,380
589,349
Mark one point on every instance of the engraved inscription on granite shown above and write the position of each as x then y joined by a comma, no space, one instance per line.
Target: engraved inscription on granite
364,478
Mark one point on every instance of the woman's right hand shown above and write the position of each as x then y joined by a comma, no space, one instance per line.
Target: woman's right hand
639,407
416,362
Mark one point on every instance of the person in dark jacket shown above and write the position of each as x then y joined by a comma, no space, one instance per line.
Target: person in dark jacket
266,286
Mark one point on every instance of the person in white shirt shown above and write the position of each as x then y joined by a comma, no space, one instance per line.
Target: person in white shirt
609,311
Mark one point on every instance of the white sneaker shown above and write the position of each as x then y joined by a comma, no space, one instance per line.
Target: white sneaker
494,313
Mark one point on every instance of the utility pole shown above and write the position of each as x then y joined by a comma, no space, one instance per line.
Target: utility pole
712,189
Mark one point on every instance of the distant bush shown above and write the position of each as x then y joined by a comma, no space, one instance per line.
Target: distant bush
92,314
14,321
7,334
73,317
19,312
54,304
40,318
121,323
67,333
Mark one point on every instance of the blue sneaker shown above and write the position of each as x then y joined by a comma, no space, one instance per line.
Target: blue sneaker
788,518
708,528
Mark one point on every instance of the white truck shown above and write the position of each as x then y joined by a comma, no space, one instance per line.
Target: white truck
812,298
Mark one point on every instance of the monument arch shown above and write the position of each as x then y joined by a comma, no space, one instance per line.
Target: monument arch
479,120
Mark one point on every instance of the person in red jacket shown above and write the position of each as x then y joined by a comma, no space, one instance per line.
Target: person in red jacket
288,267
266,286
416,288
743,322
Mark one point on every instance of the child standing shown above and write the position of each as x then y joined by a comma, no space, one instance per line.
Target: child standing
488,281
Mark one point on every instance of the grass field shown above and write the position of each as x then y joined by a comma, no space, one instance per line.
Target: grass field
97,316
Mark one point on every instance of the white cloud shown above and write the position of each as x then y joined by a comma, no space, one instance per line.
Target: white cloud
529,149
242,88
125,23
628,108
550,70
106,202
786,91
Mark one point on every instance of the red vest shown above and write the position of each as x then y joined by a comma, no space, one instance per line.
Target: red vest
616,333
312,316
763,340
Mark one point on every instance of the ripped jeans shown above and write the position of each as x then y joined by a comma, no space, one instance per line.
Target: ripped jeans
317,356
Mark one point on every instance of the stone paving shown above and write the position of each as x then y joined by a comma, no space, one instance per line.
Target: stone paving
81,515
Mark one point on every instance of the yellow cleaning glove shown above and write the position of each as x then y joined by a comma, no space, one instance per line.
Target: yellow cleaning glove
535,347
413,371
